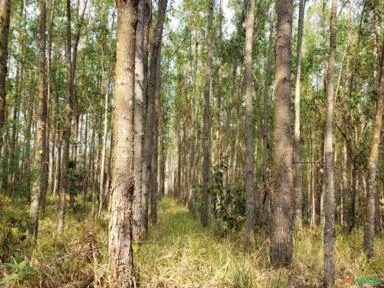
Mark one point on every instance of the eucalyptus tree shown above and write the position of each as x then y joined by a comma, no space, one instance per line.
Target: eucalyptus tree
249,177
329,198
40,148
121,263
68,121
297,152
5,11
281,232
204,213
154,84
369,227
139,118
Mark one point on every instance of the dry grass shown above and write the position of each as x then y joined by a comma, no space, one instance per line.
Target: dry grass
178,252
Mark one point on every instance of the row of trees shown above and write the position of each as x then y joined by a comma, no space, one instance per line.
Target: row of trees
56,113
192,114
277,179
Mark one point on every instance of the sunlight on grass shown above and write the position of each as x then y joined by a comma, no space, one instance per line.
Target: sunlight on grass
178,252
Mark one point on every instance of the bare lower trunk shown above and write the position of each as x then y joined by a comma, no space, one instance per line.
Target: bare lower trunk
103,148
67,126
4,30
281,236
297,155
154,97
122,183
329,195
204,213
369,228
139,120
264,203
250,186
40,150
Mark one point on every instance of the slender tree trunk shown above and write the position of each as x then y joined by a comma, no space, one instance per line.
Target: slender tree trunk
122,182
103,147
204,213
264,203
57,173
67,125
40,132
139,119
369,228
329,197
4,31
297,155
281,236
250,186
154,86
5,11
148,144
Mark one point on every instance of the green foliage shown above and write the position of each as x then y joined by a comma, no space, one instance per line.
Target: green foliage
13,228
20,271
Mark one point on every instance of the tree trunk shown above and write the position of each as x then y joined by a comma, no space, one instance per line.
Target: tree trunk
297,155
122,182
369,227
281,236
40,150
67,125
329,197
204,213
250,186
103,147
5,11
139,120
264,203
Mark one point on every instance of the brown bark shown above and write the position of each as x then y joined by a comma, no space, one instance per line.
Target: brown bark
204,213
297,151
250,186
139,120
329,195
40,148
281,236
153,93
67,125
122,183
369,227
4,31
264,198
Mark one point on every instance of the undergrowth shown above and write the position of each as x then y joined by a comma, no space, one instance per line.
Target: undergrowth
178,252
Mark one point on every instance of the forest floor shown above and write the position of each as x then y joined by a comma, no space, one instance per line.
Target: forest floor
178,252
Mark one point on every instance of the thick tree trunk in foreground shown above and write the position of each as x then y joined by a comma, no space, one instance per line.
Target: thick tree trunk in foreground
369,228
281,236
250,186
40,150
4,31
204,213
297,155
122,183
329,197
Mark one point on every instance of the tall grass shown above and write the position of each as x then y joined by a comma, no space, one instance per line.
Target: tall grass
178,252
